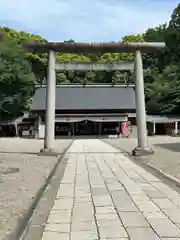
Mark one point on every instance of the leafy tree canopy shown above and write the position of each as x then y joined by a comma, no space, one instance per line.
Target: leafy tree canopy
16,80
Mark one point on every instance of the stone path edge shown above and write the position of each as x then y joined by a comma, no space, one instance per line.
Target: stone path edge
165,175
32,223
170,180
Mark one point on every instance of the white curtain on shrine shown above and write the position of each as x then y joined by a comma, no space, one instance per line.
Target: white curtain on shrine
71,119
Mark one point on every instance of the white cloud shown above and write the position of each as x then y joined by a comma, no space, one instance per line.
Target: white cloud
85,20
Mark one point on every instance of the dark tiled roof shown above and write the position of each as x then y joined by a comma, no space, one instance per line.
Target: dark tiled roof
87,98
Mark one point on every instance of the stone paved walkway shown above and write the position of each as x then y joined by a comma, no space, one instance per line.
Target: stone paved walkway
103,195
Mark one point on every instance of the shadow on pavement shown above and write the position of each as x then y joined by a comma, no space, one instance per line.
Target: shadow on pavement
10,152
29,153
86,137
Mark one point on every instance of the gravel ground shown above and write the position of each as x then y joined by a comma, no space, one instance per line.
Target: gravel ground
167,152
22,173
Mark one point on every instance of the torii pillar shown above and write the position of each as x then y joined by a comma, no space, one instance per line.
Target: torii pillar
50,106
142,148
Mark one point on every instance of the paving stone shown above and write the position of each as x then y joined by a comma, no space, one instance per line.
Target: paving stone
125,165
106,216
82,188
65,191
110,180
140,198
55,236
83,193
84,235
175,200
63,228
165,204
154,215
166,190
123,201
112,232
172,194
139,179
133,219
80,178
164,227
83,205
114,238
67,181
161,186
81,184
146,186
96,181
106,209
97,184
170,238
82,217
178,225
115,187
64,187
125,181
83,208
83,226
131,172
134,190
79,210
137,233
63,204
147,206
83,199
99,191
118,195
150,178
153,193
108,222
102,201
126,205
174,215
59,216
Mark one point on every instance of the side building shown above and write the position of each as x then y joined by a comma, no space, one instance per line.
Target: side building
86,109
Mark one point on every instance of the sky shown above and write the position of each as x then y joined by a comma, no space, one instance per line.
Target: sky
85,20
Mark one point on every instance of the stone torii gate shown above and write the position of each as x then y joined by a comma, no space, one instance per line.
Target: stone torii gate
136,48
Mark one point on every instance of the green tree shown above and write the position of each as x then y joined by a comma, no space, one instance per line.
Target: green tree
156,59
118,77
16,80
171,97
172,37
38,60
